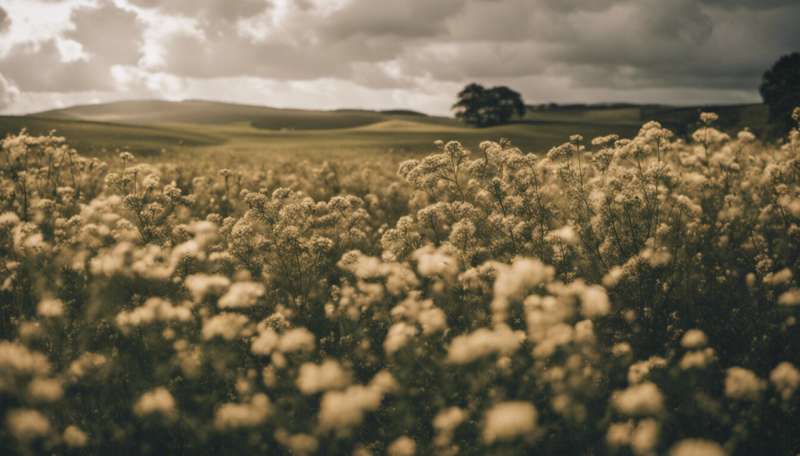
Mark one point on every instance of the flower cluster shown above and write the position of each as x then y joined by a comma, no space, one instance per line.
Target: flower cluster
611,296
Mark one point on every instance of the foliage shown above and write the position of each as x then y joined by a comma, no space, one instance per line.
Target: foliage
780,90
483,107
613,296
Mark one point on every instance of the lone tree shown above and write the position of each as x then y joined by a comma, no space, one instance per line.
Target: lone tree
483,107
780,89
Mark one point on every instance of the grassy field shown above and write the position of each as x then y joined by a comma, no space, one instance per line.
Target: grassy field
234,298
162,129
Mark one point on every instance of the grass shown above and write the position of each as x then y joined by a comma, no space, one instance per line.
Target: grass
99,138
681,120
244,133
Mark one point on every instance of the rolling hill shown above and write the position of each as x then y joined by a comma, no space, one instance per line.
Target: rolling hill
99,138
155,112
166,130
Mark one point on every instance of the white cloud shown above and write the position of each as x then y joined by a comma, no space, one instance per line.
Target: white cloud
8,93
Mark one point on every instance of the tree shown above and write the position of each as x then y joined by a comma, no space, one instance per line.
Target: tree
780,89
483,107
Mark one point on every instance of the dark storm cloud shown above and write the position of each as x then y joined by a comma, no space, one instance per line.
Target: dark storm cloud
621,44
673,44
624,43
616,45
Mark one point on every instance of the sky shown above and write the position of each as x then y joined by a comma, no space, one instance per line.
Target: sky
376,54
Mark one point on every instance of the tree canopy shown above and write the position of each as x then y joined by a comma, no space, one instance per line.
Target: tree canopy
484,107
780,89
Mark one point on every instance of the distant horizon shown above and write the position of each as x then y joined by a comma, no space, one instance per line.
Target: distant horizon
352,108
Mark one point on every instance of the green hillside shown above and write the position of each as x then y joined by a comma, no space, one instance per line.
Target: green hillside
731,118
681,120
98,138
169,130
154,112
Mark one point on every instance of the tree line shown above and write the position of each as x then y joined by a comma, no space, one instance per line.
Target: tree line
780,90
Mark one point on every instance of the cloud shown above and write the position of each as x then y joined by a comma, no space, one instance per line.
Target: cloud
207,10
5,21
8,93
41,68
108,33
405,19
562,50
751,4
81,57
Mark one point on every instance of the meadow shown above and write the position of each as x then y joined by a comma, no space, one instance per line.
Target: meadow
246,280
170,131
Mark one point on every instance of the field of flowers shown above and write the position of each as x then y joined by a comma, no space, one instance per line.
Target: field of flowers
612,296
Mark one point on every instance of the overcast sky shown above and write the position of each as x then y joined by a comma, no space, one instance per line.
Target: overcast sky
379,54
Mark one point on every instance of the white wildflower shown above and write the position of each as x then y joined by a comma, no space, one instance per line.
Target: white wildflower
565,234
242,294
433,262
50,308
345,409
693,339
156,401
743,384
315,378
619,434
45,389
432,320
778,277
154,309
514,281
708,117
27,424
297,339
637,400
595,302
86,364
235,415
697,447
200,285
645,437
226,325
786,379
613,276
74,437
508,420
18,359
398,336
299,444
385,382
265,343
483,342
402,446
697,359
639,371
790,297
449,419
